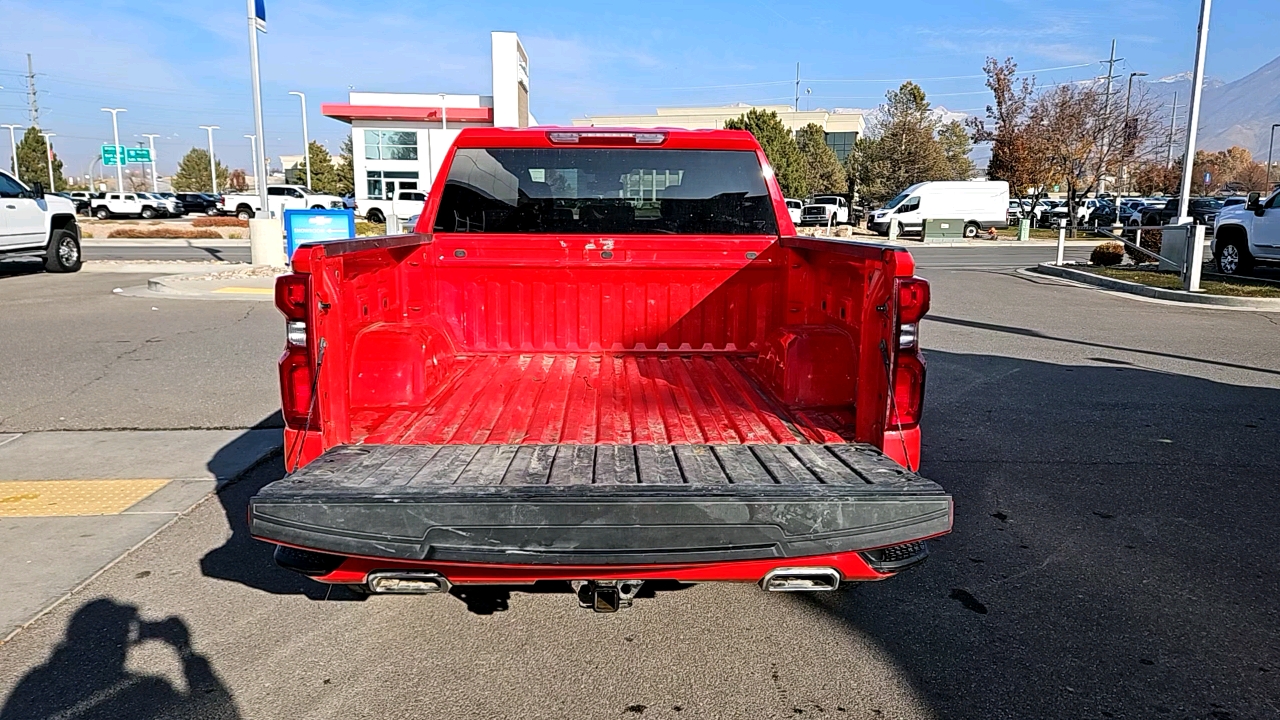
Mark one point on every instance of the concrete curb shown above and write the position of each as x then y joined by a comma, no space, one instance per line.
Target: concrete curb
180,286
1180,296
161,242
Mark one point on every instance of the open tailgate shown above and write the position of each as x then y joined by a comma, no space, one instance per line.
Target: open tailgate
599,504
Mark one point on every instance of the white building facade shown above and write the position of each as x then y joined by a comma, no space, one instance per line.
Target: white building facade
399,140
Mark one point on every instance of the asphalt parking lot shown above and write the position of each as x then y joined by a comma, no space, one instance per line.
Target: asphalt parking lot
1112,461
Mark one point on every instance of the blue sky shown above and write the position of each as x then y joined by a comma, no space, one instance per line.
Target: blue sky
178,65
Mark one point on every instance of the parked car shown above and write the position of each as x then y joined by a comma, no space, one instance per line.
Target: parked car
199,203
1247,234
406,203
33,224
169,207
280,197
793,210
1204,211
498,406
979,204
824,210
82,199
127,204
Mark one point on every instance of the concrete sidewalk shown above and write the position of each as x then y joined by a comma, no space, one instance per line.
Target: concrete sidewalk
72,503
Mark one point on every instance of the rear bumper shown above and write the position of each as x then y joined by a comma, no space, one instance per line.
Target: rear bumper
852,566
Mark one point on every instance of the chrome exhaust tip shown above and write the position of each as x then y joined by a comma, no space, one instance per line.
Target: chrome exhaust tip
387,582
801,579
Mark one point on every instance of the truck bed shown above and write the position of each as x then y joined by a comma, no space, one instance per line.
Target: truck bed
551,398
599,504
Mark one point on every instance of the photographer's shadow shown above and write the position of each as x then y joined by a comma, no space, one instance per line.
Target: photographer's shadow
86,677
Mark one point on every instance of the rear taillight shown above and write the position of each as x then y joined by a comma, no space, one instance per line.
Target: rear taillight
908,391
297,371
909,367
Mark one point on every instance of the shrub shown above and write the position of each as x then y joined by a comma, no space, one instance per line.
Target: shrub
1151,240
365,229
160,232
1107,254
219,222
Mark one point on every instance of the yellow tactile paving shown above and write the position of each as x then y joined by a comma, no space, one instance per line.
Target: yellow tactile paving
64,498
246,291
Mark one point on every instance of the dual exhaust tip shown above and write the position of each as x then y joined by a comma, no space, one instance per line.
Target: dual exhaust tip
801,579
613,595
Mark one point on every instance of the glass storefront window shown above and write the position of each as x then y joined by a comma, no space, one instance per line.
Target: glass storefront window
390,145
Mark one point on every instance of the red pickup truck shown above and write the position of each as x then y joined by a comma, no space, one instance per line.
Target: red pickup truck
603,357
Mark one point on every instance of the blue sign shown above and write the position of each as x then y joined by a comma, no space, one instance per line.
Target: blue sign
303,227
260,14
1207,178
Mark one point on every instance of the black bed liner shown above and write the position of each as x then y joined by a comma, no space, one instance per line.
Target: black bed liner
599,504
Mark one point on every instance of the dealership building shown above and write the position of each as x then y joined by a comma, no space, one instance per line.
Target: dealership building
842,126
399,140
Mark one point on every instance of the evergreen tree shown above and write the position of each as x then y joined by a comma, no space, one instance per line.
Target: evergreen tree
193,173
778,146
956,146
324,175
345,168
33,162
903,149
822,170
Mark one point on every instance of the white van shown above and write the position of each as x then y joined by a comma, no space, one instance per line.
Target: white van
980,204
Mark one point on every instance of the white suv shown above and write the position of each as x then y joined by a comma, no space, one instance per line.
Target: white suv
33,224
127,204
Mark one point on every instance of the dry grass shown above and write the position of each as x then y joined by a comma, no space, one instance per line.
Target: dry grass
1173,281
219,222
160,232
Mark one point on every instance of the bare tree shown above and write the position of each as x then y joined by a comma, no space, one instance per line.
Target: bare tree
1015,153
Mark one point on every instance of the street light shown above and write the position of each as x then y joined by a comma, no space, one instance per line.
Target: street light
115,131
152,138
1124,170
213,168
1270,147
13,148
306,141
253,154
48,156
444,112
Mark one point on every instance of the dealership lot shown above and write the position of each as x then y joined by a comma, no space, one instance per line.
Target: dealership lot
1108,457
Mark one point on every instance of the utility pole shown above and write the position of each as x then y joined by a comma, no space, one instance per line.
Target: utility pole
306,140
154,182
213,166
1106,112
115,129
33,106
48,156
1121,181
13,148
1270,147
1173,120
797,87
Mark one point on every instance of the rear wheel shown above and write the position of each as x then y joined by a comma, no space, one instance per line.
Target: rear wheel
317,207
244,213
375,216
63,252
211,211
1234,258
971,230
102,213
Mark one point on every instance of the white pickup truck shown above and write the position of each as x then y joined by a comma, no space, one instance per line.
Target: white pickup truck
824,210
405,204
280,198
128,204
33,224
1244,235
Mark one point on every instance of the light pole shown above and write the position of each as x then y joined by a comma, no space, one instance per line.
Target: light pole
115,131
444,120
253,153
1193,116
213,167
48,156
306,141
1270,147
13,148
258,22
151,137
1124,170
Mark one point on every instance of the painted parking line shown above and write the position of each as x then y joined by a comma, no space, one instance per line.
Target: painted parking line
245,291
70,498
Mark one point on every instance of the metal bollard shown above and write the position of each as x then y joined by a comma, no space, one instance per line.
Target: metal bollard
1062,240
894,228
1195,259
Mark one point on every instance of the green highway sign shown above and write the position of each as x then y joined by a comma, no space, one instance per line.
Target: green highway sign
113,155
137,155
